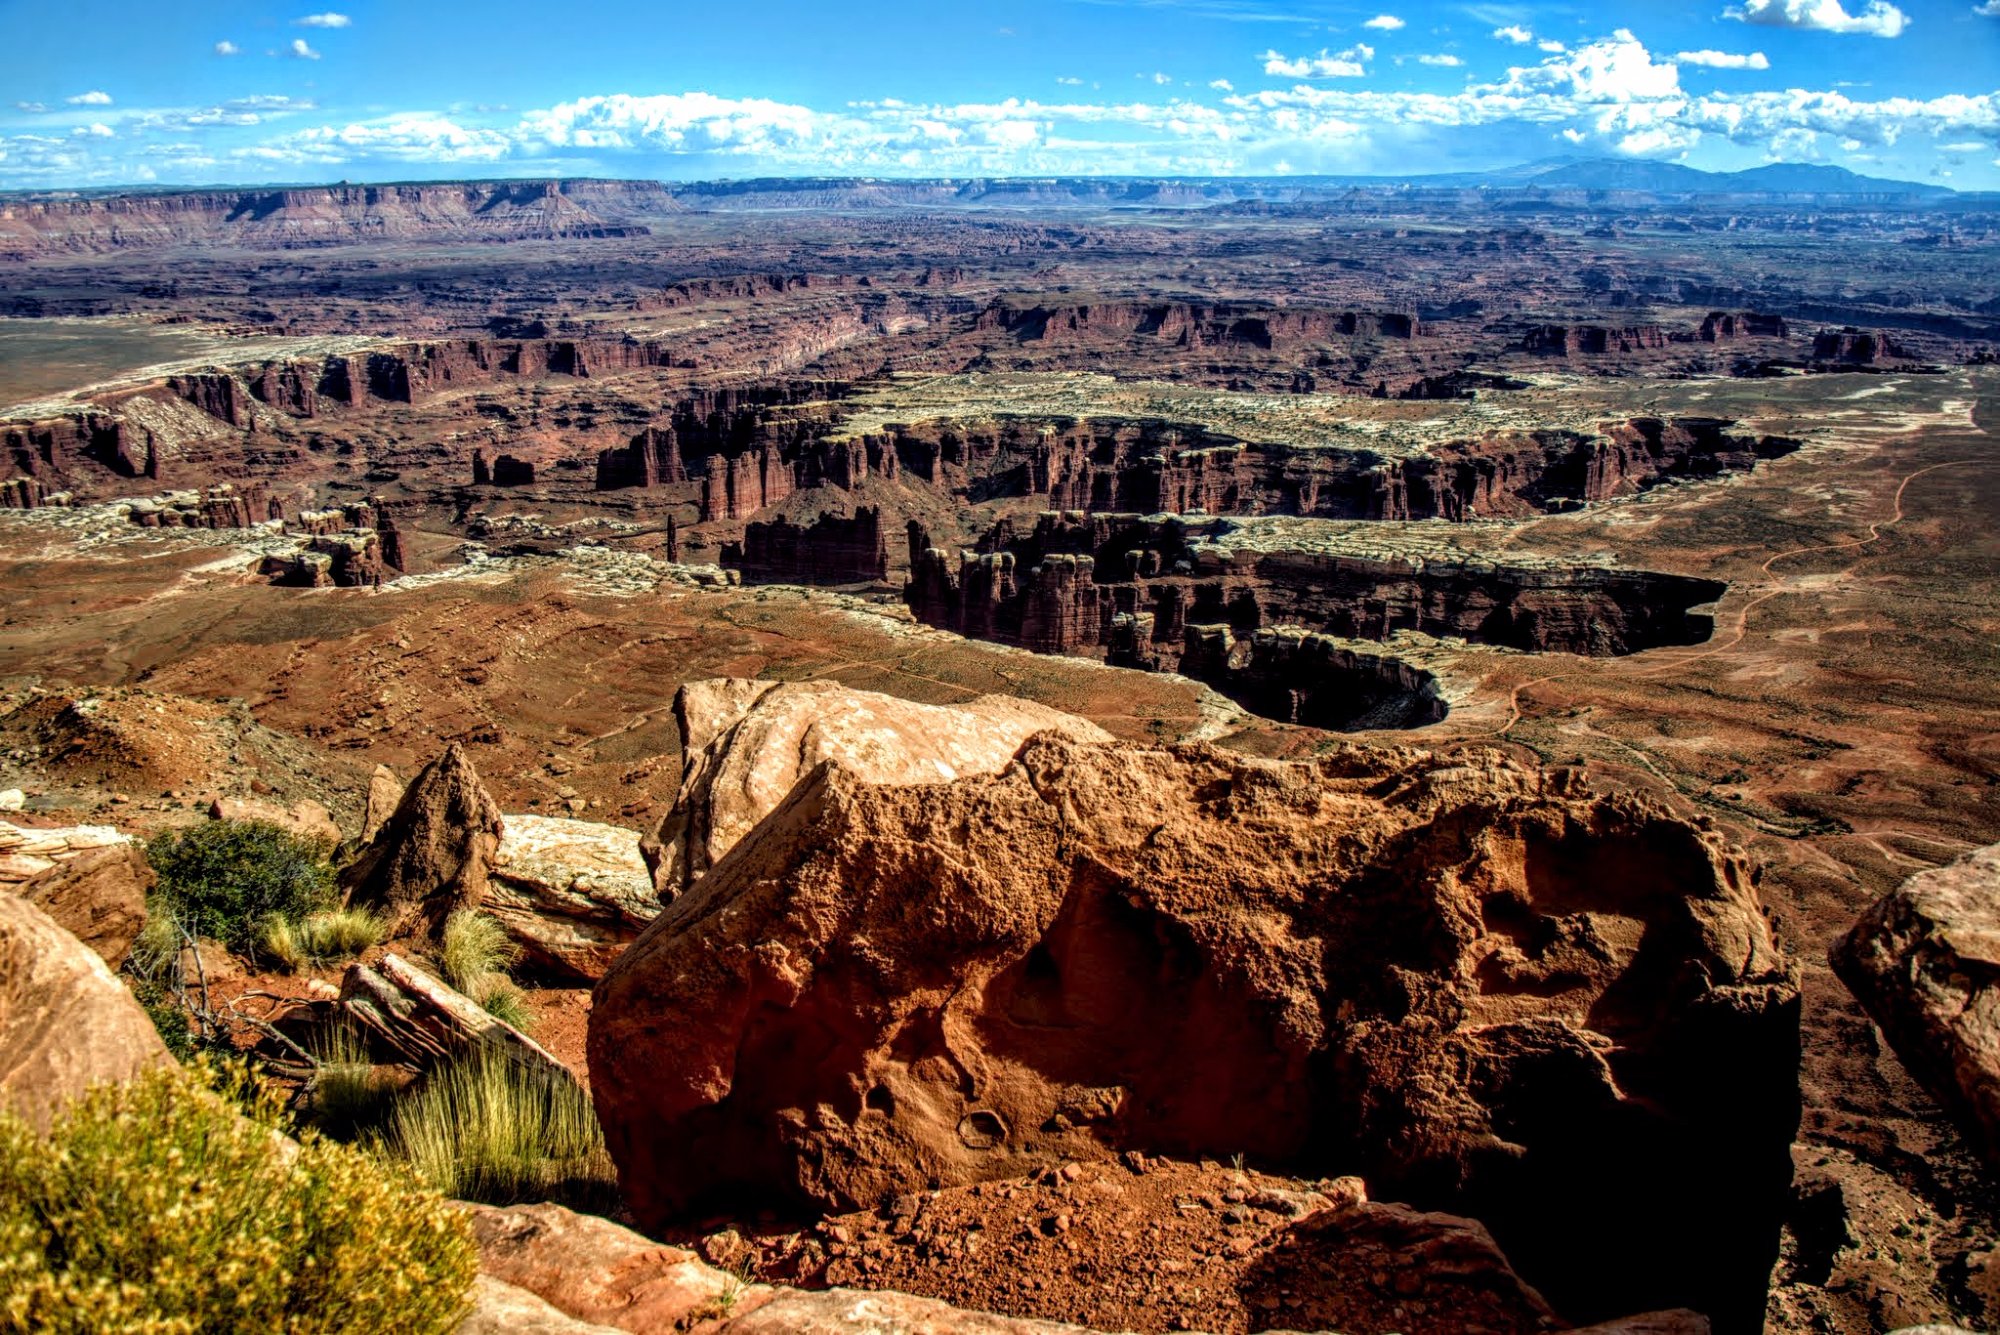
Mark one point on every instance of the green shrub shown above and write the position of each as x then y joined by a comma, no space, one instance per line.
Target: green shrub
224,877
474,946
487,1128
156,1208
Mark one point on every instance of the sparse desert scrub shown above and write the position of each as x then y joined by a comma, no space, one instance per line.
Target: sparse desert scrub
222,880
159,1207
486,1128
347,1095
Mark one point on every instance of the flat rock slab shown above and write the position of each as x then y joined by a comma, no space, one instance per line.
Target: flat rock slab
572,893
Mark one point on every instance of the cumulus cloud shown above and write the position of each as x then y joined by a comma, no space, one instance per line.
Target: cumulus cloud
227,48
1348,64
1514,33
32,108
1384,23
1878,19
1225,86
328,20
1550,45
1618,69
93,98
1991,9
1162,78
1445,61
299,50
1725,60
1068,79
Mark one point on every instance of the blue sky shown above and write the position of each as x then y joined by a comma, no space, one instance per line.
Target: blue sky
101,92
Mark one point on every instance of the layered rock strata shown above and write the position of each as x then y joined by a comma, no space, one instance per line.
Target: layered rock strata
1479,987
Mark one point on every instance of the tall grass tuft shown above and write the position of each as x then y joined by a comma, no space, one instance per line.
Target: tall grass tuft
474,946
500,997
341,934
348,1095
277,942
157,1206
487,1128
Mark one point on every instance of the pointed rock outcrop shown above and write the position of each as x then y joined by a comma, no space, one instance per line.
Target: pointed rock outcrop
434,854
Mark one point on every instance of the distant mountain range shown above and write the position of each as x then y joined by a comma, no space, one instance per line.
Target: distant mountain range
1671,178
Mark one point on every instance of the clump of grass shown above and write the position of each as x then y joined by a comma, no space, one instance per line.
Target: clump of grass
276,941
472,947
222,880
488,1128
320,939
157,1206
348,1095
341,933
504,1000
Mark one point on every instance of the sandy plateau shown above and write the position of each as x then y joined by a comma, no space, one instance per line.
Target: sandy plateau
1602,511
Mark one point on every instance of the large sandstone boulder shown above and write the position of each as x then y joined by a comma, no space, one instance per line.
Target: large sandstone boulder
746,743
433,855
1924,961
573,893
1479,987
65,1022
98,896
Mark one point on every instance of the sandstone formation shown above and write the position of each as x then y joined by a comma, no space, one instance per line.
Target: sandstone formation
572,893
98,896
65,1022
1924,962
385,794
424,1022
745,744
1483,990
26,853
433,855
307,819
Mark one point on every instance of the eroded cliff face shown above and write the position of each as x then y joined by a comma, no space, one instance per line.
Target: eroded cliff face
1474,985
1060,587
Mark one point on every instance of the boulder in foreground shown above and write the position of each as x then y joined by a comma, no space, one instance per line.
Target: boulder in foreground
1477,986
65,1022
1924,961
746,743
99,896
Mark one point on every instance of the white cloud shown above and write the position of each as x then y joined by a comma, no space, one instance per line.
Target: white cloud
1514,33
93,98
1725,60
1878,19
1446,61
1348,64
301,51
328,20
32,108
1991,9
1384,23
97,130
1162,79
1072,82
1551,45
1616,69
1225,86
227,48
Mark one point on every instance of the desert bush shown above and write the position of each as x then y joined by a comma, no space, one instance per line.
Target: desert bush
473,947
488,1128
222,878
157,1207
